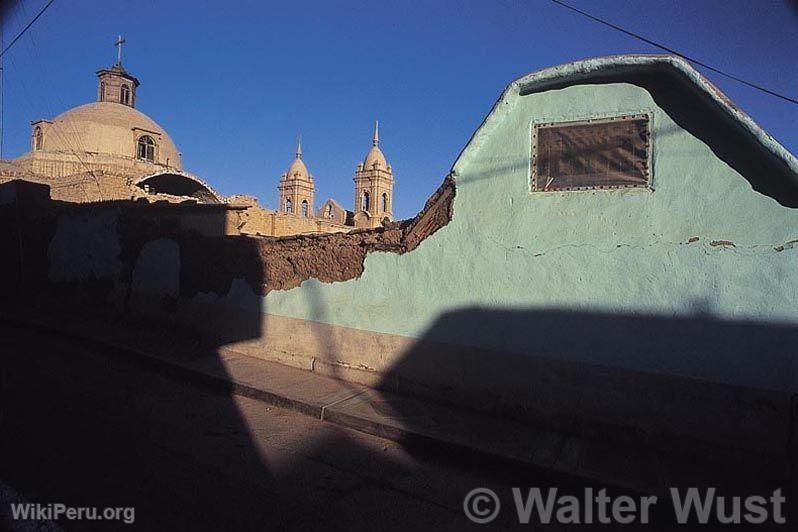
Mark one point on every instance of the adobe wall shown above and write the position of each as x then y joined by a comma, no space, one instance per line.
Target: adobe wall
258,221
608,312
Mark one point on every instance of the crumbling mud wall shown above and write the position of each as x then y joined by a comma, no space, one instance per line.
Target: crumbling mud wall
288,261
79,245
279,263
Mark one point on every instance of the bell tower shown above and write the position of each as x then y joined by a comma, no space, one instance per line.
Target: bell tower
115,83
373,187
297,188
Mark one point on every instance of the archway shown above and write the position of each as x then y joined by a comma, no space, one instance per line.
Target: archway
176,183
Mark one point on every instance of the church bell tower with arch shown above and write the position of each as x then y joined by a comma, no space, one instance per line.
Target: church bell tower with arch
373,187
297,188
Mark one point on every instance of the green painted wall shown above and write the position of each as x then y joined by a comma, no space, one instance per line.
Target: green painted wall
612,252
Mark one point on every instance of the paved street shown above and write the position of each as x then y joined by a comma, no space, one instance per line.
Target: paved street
90,429
87,429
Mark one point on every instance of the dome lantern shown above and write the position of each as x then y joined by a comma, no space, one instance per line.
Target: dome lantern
116,84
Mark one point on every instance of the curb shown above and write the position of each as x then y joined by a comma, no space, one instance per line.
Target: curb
569,459
447,448
169,368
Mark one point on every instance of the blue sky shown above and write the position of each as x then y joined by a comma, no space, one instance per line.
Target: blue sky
234,82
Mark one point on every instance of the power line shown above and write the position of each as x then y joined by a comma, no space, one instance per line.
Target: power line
65,137
674,52
71,136
15,39
2,94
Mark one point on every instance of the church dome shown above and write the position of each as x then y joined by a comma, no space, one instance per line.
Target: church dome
298,170
298,167
375,155
109,128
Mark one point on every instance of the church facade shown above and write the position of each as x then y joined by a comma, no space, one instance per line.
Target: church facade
108,150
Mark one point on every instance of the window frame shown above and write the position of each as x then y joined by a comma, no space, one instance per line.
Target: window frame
649,146
124,94
147,146
38,138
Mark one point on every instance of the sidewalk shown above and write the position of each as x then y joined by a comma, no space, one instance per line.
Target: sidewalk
403,419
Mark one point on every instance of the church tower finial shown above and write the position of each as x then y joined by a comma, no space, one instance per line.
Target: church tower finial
119,42
376,140
299,146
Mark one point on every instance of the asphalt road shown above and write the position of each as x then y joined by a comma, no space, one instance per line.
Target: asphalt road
91,429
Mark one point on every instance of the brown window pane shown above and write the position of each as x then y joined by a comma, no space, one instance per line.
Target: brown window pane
601,154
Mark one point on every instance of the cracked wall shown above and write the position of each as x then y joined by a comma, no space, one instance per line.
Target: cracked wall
609,313
620,251
288,261
131,245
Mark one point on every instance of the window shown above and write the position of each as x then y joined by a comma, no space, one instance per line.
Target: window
37,138
384,202
124,94
329,213
591,154
146,148
364,201
305,208
289,206
102,91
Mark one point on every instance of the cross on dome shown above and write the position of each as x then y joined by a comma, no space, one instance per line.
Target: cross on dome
119,42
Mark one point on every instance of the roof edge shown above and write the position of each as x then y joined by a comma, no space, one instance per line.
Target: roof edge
586,69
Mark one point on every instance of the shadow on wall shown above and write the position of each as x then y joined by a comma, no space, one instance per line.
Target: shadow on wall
87,426
24,263
697,385
695,112
91,427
